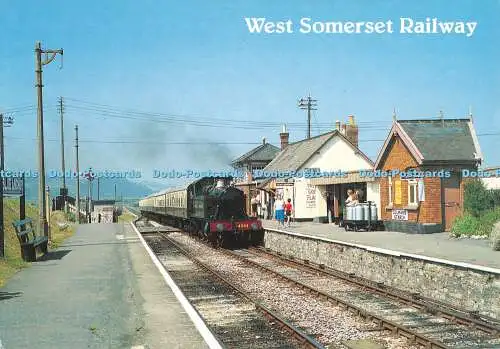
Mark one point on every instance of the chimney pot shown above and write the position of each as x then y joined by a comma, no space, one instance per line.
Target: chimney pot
351,131
263,140
337,125
351,120
284,138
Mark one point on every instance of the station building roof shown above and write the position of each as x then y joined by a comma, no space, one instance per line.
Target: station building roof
263,153
436,140
295,155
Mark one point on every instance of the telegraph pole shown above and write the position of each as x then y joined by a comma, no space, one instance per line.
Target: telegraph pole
63,191
98,189
42,221
77,178
3,123
308,104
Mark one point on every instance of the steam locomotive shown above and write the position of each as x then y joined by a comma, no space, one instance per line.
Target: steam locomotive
210,208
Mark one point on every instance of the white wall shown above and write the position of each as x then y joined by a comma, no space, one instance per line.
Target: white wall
335,155
492,182
373,194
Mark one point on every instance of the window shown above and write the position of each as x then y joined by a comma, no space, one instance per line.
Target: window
412,193
390,189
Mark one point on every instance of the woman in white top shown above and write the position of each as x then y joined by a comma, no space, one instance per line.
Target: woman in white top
279,210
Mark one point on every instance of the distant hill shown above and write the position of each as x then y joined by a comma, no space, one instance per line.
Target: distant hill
124,187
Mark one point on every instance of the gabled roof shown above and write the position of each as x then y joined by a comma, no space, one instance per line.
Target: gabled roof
264,152
447,140
295,155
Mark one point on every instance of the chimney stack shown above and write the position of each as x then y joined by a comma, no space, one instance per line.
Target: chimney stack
263,140
284,137
351,131
337,125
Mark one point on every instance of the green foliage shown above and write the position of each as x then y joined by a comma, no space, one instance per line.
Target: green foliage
468,225
70,216
465,225
476,198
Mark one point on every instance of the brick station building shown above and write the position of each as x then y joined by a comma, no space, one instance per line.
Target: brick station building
428,204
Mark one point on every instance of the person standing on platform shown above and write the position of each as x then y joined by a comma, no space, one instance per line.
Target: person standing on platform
351,199
254,206
264,210
288,212
279,211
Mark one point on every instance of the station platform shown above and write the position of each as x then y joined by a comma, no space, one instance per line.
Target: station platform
476,253
100,289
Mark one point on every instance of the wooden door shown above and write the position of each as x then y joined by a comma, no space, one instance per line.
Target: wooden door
452,206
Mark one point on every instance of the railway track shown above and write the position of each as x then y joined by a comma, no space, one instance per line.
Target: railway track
422,322
411,318
237,320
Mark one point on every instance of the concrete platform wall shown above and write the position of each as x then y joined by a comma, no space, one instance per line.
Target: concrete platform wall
461,286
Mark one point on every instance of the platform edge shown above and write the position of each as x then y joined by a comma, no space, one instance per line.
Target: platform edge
200,325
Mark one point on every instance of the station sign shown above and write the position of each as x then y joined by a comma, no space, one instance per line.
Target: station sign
400,215
13,186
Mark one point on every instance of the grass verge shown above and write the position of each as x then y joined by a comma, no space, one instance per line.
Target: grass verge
126,217
13,262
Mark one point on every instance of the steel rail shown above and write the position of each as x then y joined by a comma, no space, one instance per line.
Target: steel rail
395,328
306,340
428,305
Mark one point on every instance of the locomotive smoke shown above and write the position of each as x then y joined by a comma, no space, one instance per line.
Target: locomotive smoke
202,153
145,152
209,156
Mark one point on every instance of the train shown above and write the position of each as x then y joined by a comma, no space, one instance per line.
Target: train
210,208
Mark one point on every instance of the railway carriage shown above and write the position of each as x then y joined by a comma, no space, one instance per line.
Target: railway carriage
210,208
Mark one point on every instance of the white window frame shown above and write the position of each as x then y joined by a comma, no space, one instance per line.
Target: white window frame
413,183
389,178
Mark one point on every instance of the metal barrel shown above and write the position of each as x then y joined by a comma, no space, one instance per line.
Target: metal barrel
366,211
373,213
359,212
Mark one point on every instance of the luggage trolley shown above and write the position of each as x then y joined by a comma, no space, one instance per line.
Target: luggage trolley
362,216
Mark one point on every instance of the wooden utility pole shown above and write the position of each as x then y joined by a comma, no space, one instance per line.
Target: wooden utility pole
3,123
98,189
308,104
63,192
22,201
2,233
47,213
42,222
77,179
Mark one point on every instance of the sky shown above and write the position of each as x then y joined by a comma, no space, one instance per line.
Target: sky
190,71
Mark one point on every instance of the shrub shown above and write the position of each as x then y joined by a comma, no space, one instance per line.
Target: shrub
488,220
469,225
71,217
477,199
465,225
494,195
